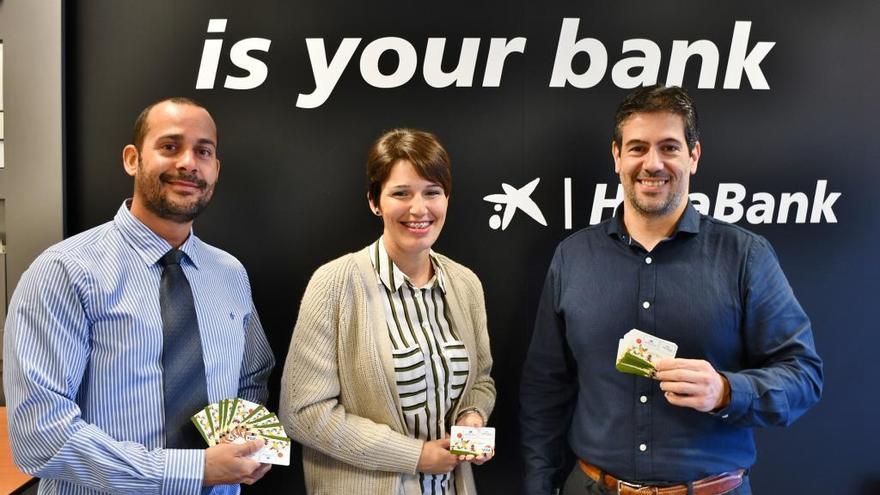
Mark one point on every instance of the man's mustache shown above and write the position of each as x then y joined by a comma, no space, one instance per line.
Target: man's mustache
183,176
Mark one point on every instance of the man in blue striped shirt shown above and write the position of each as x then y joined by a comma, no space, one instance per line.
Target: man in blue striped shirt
83,345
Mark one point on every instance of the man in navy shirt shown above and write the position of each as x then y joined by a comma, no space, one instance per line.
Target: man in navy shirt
746,355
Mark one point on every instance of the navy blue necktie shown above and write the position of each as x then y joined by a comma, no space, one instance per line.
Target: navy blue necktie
183,368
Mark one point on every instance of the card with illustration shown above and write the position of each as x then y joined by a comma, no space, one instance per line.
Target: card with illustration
275,451
203,423
245,410
263,420
637,352
213,415
465,440
237,421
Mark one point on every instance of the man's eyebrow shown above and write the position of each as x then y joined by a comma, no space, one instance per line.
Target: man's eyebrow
662,141
173,137
179,137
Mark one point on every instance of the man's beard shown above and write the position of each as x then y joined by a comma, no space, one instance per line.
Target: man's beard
672,202
150,187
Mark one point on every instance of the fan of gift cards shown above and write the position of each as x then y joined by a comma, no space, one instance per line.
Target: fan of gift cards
238,421
637,352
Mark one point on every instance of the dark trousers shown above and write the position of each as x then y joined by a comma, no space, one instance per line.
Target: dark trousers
578,483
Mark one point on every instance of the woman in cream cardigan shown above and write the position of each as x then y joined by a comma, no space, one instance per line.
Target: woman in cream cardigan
390,348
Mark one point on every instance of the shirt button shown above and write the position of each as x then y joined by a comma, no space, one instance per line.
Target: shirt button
648,260
643,447
643,399
646,305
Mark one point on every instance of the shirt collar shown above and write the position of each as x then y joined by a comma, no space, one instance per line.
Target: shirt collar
690,220
688,223
393,277
149,245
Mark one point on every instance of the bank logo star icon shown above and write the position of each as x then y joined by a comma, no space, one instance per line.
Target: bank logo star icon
510,201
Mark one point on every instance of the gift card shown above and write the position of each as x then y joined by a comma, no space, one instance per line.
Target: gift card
240,410
246,409
466,440
214,420
275,450
203,423
637,352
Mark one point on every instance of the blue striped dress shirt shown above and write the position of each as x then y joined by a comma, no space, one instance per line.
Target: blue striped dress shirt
83,360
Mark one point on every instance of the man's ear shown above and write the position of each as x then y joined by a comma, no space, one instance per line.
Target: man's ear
130,157
615,154
695,157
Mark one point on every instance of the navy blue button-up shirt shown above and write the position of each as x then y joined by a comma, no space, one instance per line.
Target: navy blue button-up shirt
713,288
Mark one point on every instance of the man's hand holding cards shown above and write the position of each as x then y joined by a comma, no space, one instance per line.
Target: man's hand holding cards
239,421
639,352
690,383
693,383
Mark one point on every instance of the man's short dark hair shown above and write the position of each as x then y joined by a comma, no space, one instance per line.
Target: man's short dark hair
659,98
140,124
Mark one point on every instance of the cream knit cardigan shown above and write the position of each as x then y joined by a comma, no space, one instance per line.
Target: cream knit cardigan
338,392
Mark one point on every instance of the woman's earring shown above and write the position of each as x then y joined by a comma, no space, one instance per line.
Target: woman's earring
377,212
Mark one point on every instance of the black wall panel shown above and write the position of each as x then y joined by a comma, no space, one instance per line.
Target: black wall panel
292,193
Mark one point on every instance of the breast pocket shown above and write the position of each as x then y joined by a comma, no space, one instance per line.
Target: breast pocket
410,371
457,356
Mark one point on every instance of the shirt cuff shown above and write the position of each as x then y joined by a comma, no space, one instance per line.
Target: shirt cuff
740,397
184,471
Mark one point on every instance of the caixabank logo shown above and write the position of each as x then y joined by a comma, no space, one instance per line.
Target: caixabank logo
731,203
